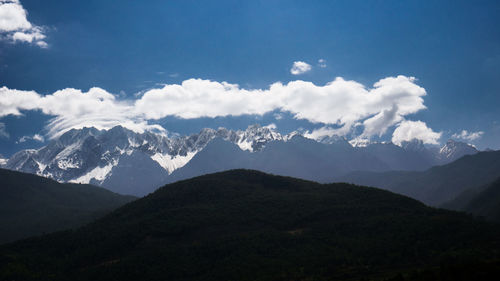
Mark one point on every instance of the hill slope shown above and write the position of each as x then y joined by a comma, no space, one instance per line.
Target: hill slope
32,205
481,201
439,184
247,225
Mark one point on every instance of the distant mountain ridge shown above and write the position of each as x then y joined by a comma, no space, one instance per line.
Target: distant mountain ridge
136,163
481,201
437,185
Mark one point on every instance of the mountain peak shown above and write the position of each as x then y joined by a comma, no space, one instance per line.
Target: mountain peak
413,145
360,142
453,150
255,137
334,139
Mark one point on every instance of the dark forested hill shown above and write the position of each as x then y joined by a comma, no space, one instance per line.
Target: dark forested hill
439,184
32,205
247,225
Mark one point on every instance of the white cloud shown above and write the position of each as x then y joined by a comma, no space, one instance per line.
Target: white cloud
322,63
323,132
278,116
39,138
35,137
73,108
379,123
468,136
300,67
14,24
340,103
13,16
3,131
409,130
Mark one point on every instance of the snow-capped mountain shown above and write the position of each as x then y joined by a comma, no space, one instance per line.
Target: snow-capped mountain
89,155
414,145
453,150
136,163
337,140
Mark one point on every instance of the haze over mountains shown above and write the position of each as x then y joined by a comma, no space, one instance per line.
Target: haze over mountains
437,185
482,201
136,163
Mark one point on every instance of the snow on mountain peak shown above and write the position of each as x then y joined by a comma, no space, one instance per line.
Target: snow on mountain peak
255,137
453,150
83,155
360,142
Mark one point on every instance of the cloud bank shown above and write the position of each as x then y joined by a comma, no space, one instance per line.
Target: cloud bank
14,25
339,105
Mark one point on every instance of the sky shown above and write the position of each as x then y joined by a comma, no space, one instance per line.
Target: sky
377,70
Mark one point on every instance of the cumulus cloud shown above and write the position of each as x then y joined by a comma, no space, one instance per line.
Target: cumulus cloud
14,24
379,123
409,130
468,136
340,104
3,131
35,137
322,132
322,63
300,67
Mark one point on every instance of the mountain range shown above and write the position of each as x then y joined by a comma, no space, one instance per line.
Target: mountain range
437,185
134,163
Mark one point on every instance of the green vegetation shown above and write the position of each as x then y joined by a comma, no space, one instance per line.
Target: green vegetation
32,205
247,225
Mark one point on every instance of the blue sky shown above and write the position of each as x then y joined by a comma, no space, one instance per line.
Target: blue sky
130,47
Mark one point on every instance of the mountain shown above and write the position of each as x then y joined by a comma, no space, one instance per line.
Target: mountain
298,157
218,156
104,157
438,184
134,163
247,225
453,150
411,156
481,201
32,205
